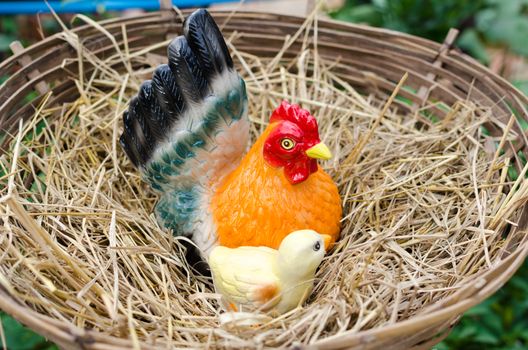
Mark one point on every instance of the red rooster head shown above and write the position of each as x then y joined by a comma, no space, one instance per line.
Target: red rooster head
294,142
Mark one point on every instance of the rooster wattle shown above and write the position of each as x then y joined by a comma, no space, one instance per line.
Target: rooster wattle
187,131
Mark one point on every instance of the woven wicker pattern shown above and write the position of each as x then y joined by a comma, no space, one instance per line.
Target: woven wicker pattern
371,60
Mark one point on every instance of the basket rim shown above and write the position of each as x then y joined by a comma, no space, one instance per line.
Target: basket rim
442,311
331,26
241,13
250,14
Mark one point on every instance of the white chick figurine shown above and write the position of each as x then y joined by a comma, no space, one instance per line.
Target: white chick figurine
269,279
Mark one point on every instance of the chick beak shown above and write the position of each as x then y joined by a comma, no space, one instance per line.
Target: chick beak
327,239
319,151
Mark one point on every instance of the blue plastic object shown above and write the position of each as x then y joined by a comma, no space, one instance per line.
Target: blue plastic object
74,6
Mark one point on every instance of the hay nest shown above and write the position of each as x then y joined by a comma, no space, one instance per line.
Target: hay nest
432,197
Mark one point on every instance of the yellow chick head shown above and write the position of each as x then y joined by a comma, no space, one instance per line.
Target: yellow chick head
301,252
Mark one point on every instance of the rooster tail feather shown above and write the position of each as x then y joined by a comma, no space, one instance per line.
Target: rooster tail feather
207,42
187,71
199,64
168,93
187,127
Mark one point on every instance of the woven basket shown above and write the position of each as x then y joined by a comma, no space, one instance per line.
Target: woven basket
371,60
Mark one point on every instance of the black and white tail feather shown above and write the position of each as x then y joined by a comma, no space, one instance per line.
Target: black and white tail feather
187,128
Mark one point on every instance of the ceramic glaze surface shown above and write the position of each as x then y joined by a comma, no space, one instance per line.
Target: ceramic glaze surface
187,131
257,205
261,277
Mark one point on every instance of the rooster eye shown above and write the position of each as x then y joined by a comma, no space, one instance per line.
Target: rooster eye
317,246
287,144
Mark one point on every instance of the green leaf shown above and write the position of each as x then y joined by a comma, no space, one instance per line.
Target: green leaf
5,40
507,316
39,184
521,85
512,173
509,7
30,96
441,346
511,31
480,310
524,333
470,41
19,337
493,322
8,24
486,338
50,25
468,331
485,18
367,14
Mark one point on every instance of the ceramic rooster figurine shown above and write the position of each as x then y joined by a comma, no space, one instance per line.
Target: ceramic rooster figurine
187,131
261,277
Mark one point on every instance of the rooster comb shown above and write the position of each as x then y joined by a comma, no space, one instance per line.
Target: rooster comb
295,114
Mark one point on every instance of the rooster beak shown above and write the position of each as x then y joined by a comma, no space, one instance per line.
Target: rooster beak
327,239
319,151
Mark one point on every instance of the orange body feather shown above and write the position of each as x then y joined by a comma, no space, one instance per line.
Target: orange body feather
256,205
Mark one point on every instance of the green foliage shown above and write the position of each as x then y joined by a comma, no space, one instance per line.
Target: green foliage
521,85
19,337
505,23
431,19
7,32
496,22
499,323
471,42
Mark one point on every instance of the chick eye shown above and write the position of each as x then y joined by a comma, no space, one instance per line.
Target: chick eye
287,144
317,246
